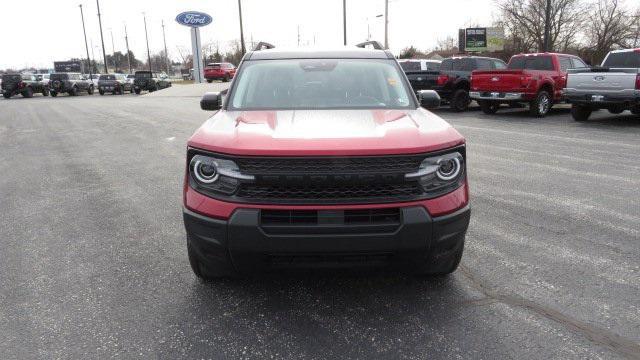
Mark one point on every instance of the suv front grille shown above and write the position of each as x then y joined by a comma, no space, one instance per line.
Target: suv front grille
329,180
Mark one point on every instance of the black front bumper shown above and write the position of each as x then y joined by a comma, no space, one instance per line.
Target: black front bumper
245,246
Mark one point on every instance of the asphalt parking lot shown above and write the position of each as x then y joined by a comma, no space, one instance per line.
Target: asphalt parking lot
93,257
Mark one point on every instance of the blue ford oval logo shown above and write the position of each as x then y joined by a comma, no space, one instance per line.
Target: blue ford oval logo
194,19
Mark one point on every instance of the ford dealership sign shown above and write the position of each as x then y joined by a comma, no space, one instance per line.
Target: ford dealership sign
194,19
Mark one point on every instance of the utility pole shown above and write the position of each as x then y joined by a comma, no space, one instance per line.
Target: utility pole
126,40
298,35
166,55
86,45
146,35
104,53
344,20
242,47
386,24
113,50
547,27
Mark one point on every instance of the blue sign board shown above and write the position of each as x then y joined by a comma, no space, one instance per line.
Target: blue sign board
194,19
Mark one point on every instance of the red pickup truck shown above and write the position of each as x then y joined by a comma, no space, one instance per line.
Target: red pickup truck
534,79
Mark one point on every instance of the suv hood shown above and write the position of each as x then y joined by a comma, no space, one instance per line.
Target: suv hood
325,132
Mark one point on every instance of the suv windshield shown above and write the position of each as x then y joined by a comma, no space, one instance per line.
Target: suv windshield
107,77
627,59
59,76
143,75
319,84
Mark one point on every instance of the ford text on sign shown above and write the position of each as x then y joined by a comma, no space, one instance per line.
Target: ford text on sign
194,19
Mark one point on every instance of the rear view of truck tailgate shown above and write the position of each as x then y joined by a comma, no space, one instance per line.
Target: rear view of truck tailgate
602,81
497,80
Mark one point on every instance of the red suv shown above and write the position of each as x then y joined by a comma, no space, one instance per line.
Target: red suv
534,79
219,71
324,159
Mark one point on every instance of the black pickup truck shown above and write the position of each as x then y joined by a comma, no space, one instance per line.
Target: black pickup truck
452,80
150,81
26,85
71,83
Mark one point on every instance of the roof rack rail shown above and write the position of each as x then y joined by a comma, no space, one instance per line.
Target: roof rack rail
376,45
263,45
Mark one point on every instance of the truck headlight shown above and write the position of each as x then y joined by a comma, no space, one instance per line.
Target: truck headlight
440,174
215,175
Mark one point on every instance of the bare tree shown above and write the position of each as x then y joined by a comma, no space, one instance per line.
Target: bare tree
634,33
608,25
524,22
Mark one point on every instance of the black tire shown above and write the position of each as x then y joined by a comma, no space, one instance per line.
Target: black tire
6,95
460,100
73,91
137,91
635,110
90,90
541,105
206,273
226,78
209,81
580,113
616,110
489,107
54,94
444,264
100,91
28,92
45,92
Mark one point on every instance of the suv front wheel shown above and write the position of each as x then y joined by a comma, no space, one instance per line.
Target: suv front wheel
207,272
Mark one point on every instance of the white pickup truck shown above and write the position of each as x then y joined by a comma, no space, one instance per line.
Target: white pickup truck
614,86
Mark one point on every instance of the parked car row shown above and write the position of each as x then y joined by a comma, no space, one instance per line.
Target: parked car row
76,84
538,80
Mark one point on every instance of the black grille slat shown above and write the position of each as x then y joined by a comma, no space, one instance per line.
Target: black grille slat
329,165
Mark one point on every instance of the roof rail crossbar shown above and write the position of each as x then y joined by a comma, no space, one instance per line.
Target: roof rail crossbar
263,45
376,45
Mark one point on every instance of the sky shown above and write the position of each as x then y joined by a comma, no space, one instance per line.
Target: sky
36,42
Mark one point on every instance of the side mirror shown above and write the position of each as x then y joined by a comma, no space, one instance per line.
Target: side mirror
211,101
429,99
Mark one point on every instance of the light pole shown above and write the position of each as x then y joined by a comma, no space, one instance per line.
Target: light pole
113,51
344,20
146,35
386,24
244,50
126,41
104,53
86,45
166,54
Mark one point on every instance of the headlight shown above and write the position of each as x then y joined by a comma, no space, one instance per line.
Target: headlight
440,174
215,175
